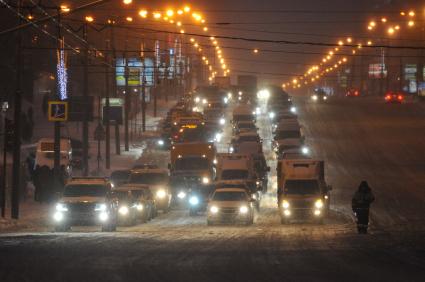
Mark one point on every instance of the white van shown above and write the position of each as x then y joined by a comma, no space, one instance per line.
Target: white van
45,153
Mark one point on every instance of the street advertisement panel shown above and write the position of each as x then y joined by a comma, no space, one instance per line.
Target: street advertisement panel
377,71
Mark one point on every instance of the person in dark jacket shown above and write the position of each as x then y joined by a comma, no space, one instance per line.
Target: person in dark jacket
360,204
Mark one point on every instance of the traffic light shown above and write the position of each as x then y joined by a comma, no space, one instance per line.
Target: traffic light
9,133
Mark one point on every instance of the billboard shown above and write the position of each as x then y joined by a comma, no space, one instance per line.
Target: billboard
377,70
135,71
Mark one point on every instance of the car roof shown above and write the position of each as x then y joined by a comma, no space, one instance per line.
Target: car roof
88,180
221,190
132,186
149,170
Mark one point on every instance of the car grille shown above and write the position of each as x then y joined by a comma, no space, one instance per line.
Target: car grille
228,211
81,207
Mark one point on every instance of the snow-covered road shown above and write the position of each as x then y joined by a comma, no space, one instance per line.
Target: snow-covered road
358,139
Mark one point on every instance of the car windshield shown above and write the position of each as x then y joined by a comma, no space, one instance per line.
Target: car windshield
192,164
301,187
284,134
122,195
193,134
230,174
242,118
148,178
85,190
246,125
120,175
230,196
249,138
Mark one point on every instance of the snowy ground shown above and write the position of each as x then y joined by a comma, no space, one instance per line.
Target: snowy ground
358,139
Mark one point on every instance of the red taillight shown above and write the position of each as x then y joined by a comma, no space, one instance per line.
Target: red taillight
400,97
356,93
388,97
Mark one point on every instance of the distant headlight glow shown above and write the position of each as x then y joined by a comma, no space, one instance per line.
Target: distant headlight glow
58,216
100,207
285,204
103,216
222,121
123,210
305,150
318,204
272,115
181,195
161,142
194,200
61,207
161,194
205,180
314,97
293,110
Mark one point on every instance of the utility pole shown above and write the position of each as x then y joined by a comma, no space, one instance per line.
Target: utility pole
142,57
126,104
106,114
17,118
114,89
57,124
85,106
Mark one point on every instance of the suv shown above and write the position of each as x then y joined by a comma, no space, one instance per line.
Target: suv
230,205
86,201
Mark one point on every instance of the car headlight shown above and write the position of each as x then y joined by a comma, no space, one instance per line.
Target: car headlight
305,150
218,137
257,182
226,100
58,216
100,207
239,98
293,110
318,204
254,197
222,121
204,101
285,204
103,216
194,200
314,97
161,142
139,207
272,115
214,209
231,149
123,210
61,207
243,209
197,99
161,194
181,195
325,98
205,180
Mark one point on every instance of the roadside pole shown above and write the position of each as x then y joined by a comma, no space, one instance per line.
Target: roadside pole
85,106
16,172
114,90
106,115
57,124
126,105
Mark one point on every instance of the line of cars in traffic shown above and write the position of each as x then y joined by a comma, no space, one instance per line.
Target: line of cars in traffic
302,192
126,198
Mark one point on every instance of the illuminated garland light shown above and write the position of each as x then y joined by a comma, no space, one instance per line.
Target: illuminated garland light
62,73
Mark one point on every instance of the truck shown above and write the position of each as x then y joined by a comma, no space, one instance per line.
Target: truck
302,191
239,167
192,169
45,154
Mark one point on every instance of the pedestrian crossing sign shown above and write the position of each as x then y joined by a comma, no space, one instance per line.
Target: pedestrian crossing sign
58,111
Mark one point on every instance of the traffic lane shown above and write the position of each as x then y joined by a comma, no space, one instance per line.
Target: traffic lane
211,254
368,139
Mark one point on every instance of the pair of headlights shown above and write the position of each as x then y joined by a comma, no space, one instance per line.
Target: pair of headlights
318,204
242,210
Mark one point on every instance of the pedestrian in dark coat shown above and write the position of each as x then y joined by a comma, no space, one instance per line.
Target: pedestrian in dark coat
361,204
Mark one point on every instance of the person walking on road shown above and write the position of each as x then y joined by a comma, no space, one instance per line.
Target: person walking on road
360,204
